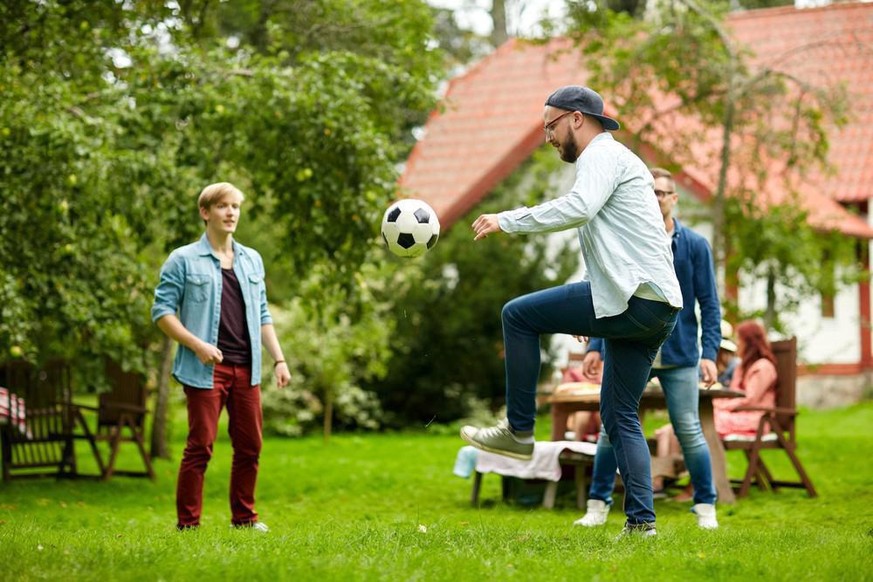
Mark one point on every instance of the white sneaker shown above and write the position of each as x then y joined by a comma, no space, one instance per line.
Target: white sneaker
705,515
253,526
595,514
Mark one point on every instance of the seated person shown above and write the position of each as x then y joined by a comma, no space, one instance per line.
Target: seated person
668,449
726,360
756,376
584,425
726,363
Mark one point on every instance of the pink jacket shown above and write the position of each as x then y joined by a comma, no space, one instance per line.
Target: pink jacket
760,388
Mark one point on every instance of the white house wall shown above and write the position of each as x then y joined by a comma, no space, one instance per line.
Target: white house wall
821,340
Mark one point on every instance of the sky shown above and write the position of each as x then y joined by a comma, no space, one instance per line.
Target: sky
523,15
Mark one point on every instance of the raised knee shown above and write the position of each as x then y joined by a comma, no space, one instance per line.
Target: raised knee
509,310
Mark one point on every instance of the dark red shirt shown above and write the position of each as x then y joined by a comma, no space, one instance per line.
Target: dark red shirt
233,333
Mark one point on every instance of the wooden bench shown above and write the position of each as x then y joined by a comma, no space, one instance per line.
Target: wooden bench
44,445
582,465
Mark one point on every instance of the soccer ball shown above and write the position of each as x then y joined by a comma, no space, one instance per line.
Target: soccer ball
410,228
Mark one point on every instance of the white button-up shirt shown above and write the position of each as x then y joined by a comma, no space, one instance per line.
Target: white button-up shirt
621,230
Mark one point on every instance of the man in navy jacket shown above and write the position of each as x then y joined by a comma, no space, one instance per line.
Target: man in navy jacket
679,366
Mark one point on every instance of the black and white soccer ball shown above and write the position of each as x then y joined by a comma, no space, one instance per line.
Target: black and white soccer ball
410,228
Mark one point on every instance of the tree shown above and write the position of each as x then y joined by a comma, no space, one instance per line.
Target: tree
499,31
338,347
74,224
696,96
776,244
115,115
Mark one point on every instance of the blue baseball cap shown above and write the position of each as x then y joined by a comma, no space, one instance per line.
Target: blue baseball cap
583,100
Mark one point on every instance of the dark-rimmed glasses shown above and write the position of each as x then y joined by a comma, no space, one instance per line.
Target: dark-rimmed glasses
550,125
661,193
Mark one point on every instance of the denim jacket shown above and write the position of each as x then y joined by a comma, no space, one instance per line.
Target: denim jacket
190,287
692,260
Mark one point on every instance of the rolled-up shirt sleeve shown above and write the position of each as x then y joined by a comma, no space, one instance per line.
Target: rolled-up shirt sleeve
170,289
596,169
266,316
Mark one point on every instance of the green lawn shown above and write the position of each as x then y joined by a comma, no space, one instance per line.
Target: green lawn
387,507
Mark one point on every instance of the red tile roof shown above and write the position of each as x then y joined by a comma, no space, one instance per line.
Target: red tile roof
824,46
491,118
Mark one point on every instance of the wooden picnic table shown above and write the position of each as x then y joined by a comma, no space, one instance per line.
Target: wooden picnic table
569,401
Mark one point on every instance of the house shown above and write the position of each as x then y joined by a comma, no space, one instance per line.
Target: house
491,121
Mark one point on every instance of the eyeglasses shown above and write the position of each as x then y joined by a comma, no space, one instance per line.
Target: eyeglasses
661,193
550,125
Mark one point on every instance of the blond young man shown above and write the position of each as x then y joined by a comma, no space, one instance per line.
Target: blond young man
212,300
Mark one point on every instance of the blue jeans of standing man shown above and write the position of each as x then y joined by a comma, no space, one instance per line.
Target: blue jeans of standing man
680,386
631,341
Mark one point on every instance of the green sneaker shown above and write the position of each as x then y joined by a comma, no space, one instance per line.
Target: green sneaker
499,440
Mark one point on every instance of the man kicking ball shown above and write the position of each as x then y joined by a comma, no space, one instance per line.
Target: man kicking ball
631,297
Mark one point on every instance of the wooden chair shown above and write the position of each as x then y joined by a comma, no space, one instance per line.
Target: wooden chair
781,421
121,415
45,446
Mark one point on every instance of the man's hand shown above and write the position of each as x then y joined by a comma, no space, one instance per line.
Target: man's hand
709,372
208,353
485,225
591,364
282,374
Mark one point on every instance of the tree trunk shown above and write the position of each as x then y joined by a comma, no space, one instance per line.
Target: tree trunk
499,35
260,36
718,220
630,7
328,414
159,446
770,314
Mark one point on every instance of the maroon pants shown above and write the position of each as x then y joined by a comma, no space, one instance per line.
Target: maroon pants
231,388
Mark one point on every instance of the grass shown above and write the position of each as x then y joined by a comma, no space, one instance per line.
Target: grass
387,507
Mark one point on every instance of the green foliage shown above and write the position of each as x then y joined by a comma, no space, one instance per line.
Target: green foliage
447,340
754,4
777,244
387,507
641,64
333,341
115,115
73,278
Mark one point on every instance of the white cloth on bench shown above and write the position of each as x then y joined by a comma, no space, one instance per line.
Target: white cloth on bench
543,465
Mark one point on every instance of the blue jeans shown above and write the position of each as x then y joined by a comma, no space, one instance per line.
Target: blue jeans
631,341
680,387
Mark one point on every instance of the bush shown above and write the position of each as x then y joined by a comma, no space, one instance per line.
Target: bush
333,339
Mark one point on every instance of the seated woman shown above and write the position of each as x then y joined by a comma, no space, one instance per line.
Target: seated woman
756,376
